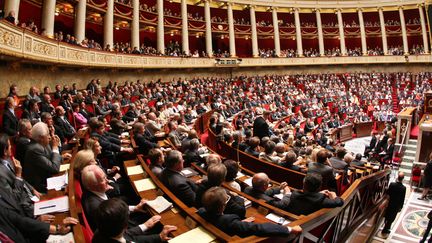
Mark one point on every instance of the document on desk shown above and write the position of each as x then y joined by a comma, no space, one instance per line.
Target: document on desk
248,181
277,219
67,238
64,167
57,182
159,204
144,185
58,204
197,235
135,170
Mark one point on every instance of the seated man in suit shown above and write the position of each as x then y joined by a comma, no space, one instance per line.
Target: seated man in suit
260,190
63,123
112,220
387,154
254,142
216,174
215,200
10,121
171,177
157,160
191,155
96,185
323,168
23,139
173,135
311,199
142,141
337,161
358,161
42,159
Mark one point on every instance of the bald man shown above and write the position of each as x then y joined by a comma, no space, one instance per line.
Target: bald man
396,192
260,190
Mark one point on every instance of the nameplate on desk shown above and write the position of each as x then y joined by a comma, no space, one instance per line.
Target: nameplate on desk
59,204
144,185
197,235
134,170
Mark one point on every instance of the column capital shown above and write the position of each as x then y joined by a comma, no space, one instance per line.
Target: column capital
316,10
380,8
337,10
229,4
359,9
296,9
250,6
400,7
420,5
274,8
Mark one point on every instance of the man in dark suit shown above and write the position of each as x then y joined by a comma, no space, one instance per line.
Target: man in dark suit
23,139
253,145
46,105
191,155
311,199
337,162
10,121
260,190
322,168
396,192
143,143
63,123
260,127
171,177
214,201
387,153
41,160
112,220
358,161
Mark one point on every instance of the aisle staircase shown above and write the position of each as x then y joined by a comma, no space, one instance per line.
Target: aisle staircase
408,159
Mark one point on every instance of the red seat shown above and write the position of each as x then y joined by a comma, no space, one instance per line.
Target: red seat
415,176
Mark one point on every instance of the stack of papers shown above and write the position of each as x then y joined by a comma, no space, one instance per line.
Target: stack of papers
278,220
67,238
135,170
144,185
197,235
188,172
57,182
59,204
159,204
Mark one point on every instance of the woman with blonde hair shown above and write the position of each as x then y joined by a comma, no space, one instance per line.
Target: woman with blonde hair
81,160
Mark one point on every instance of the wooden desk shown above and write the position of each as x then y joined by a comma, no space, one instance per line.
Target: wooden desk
345,132
363,129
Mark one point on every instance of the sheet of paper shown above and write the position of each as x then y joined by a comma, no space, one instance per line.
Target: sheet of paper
248,181
186,172
204,155
67,238
144,185
57,182
59,204
197,235
275,218
239,174
159,204
135,170
64,167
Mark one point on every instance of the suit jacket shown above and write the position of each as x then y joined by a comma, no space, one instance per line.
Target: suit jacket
261,128
267,196
144,145
192,156
174,138
31,115
40,164
109,144
308,202
128,236
22,144
396,192
64,127
16,225
10,123
328,178
182,188
338,164
232,225
45,107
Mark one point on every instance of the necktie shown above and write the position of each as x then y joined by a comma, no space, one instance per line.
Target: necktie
69,125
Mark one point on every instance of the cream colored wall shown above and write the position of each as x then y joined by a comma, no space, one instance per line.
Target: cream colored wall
26,76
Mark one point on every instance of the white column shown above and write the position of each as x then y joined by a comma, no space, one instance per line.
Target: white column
424,31
404,33
48,11
12,5
276,32
185,31
207,15
109,24
255,52
362,32
383,31
135,28
320,33
341,33
231,30
160,27
80,19
298,32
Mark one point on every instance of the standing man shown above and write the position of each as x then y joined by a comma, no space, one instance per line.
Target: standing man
396,192
260,127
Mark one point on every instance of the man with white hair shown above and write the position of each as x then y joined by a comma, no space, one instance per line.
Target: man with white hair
260,126
41,160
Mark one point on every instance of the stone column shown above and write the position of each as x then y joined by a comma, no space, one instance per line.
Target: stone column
255,52
12,5
135,29
298,32
404,32
80,19
383,31
320,33
423,27
109,25
185,30
48,15
341,33
160,27
231,30
276,32
362,32
208,32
